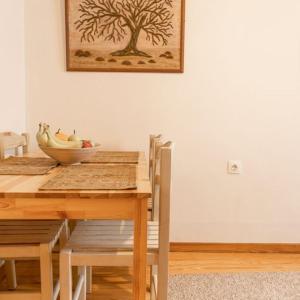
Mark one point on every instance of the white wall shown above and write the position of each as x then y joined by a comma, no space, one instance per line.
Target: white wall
12,75
238,99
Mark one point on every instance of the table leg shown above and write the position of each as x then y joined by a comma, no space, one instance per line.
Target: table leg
140,250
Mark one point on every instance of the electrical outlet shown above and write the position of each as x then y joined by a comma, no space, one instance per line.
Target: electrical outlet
234,167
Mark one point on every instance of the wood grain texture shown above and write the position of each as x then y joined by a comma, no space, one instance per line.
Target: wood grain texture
10,270
140,250
24,233
65,275
12,186
164,181
20,198
12,249
64,208
195,262
46,272
104,235
235,248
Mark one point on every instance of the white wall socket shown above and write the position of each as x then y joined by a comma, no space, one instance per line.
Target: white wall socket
234,167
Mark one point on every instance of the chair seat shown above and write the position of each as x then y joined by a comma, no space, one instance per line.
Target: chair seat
29,232
109,236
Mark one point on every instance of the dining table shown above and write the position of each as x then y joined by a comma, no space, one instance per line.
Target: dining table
22,199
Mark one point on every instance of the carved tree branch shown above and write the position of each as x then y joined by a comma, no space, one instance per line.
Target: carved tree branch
110,18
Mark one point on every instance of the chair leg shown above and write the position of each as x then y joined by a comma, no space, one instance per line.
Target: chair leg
2,151
153,287
72,225
82,272
64,235
75,273
89,279
46,272
65,274
10,271
162,280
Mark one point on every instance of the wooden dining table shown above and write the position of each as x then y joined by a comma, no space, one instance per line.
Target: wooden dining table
21,199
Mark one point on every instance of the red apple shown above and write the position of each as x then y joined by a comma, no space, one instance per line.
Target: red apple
86,144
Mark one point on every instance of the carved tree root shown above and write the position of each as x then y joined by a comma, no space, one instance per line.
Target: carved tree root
132,52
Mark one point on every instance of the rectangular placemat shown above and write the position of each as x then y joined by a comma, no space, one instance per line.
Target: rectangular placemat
94,177
114,157
26,165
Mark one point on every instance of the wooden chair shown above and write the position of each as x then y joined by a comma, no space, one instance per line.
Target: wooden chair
154,141
29,240
12,141
110,243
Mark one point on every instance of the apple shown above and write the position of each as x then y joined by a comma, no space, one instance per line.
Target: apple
86,144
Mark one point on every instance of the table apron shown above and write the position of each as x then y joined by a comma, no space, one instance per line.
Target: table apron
67,208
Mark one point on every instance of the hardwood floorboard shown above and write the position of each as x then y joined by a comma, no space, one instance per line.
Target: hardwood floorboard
189,263
115,283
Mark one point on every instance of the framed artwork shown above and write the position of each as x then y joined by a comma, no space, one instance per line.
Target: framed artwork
125,35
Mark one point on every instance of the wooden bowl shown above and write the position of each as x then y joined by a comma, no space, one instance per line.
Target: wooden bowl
70,156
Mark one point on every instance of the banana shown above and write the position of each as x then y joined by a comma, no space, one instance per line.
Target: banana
41,136
39,133
51,143
57,143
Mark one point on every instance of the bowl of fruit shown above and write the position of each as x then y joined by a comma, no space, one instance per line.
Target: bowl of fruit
67,150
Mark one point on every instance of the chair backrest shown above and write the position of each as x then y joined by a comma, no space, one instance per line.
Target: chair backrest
153,139
154,143
165,193
10,140
162,195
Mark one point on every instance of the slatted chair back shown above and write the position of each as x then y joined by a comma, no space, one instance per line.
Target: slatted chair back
155,141
155,180
12,141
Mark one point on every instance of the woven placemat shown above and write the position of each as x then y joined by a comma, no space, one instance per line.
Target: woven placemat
114,157
26,165
94,177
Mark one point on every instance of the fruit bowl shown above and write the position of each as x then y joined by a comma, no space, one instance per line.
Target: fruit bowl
70,156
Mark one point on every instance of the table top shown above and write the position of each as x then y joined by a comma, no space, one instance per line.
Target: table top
27,186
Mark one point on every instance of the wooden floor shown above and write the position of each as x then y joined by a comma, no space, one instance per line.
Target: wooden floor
115,283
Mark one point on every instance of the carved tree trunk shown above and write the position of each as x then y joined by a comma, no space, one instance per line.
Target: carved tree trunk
131,48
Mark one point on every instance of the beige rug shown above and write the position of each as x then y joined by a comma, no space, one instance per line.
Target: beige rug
235,286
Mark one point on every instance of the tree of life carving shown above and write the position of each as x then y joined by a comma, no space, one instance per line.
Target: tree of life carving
115,20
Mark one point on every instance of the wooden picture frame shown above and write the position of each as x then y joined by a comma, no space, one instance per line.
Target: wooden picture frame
112,42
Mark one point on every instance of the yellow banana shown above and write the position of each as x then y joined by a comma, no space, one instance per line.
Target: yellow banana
41,136
57,143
